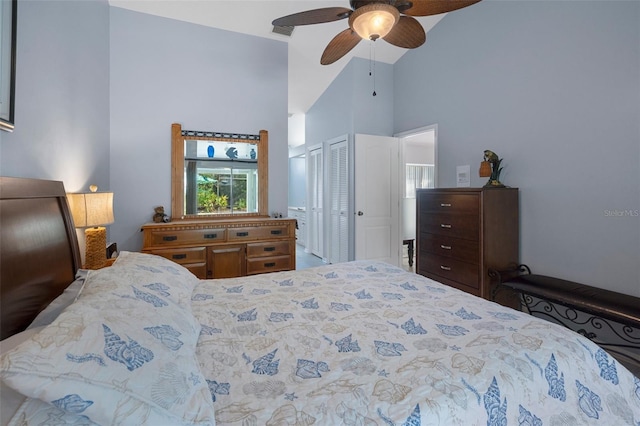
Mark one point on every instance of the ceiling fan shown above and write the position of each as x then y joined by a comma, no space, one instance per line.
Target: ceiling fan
390,20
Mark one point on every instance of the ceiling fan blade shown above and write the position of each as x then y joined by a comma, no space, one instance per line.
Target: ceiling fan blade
340,46
436,7
407,33
315,16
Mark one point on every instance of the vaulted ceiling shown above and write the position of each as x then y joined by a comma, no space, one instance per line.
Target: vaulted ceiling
307,78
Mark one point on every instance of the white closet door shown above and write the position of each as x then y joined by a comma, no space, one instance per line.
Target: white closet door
314,210
338,202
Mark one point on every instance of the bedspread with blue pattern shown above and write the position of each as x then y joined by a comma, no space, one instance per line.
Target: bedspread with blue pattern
365,343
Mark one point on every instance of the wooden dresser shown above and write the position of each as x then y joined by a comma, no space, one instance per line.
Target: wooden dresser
463,232
225,248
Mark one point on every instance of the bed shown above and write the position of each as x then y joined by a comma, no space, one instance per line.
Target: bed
356,343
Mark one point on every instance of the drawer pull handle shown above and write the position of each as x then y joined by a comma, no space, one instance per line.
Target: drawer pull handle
445,268
241,234
269,249
170,238
442,246
276,232
179,256
445,204
270,265
445,225
210,236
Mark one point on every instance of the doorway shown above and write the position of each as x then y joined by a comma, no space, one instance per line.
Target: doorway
315,201
418,158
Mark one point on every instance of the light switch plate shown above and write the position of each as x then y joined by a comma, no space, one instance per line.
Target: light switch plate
463,176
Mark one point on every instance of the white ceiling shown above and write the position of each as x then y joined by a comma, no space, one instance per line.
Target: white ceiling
307,78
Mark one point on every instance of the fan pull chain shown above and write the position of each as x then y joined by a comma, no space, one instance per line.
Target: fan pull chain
372,64
370,48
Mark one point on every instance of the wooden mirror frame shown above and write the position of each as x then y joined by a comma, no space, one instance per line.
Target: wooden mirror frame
178,136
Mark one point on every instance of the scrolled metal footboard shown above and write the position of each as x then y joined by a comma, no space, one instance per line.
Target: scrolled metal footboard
609,319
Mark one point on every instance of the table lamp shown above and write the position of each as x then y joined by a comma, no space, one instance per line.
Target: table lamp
92,211
490,167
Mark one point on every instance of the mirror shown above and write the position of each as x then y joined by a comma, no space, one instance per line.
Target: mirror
218,175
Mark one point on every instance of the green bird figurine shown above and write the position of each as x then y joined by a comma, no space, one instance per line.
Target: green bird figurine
493,159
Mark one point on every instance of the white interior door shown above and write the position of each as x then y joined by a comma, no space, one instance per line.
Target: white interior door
377,198
315,201
338,197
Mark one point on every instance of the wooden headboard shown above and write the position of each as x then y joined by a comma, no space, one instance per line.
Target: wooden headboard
39,253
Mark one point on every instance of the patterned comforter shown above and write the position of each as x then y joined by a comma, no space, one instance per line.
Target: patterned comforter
365,343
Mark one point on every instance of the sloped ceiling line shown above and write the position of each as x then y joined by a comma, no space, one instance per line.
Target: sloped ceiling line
307,78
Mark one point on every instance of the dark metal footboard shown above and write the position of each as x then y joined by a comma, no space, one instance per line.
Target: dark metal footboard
610,319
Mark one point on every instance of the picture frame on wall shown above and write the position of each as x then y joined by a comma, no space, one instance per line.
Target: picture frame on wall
8,21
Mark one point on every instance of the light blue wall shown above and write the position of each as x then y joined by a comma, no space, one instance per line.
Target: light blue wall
62,95
297,182
165,71
348,105
71,125
372,115
554,89
98,88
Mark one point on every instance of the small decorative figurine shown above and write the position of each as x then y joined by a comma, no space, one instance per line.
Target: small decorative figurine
232,153
490,167
210,151
252,154
159,216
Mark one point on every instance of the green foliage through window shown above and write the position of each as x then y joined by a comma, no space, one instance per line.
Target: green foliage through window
216,189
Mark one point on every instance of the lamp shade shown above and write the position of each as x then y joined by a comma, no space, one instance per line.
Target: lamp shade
485,169
374,20
91,209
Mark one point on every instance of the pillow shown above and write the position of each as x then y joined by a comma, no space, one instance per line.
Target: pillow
123,353
10,400
13,341
161,273
59,304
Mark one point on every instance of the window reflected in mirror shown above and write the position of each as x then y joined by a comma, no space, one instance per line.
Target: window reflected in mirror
216,175
220,177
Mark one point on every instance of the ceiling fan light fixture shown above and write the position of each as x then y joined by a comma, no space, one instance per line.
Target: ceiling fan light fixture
374,20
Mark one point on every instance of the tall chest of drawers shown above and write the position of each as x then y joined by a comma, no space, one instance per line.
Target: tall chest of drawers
225,248
464,232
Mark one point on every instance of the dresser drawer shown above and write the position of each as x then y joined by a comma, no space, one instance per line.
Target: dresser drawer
435,202
261,265
452,269
275,248
192,258
450,225
183,255
456,248
198,269
257,233
186,236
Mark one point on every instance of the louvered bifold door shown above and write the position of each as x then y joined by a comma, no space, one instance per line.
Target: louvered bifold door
339,203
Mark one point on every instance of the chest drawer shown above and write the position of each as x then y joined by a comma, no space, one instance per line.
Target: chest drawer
275,248
198,269
260,265
451,225
186,236
450,203
456,248
183,255
452,269
257,233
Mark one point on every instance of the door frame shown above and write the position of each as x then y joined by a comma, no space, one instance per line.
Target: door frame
402,136
311,222
415,132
